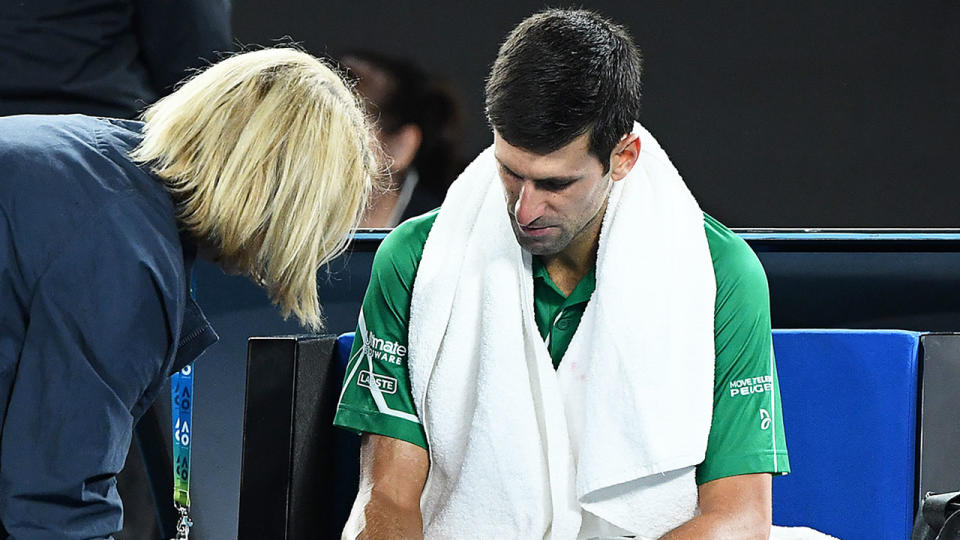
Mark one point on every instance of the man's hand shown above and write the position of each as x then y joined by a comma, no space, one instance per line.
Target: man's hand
732,507
392,476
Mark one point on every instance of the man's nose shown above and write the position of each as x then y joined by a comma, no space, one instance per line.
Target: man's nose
530,203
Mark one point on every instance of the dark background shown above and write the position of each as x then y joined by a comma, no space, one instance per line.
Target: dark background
778,114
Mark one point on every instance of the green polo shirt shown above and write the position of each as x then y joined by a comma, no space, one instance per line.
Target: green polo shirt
746,435
558,316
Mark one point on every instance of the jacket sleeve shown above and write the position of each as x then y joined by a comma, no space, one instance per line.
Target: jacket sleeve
95,349
177,36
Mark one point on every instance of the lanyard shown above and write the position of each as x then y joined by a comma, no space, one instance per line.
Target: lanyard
181,389
181,403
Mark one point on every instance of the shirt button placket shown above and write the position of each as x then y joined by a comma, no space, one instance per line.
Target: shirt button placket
563,324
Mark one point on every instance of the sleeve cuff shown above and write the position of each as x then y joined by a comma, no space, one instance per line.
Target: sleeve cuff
776,463
363,421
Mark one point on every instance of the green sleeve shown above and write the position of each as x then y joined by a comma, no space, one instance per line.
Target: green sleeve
380,346
746,435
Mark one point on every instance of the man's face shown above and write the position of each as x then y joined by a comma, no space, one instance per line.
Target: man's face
552,199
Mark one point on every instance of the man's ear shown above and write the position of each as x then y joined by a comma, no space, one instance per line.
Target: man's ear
624,156
402,146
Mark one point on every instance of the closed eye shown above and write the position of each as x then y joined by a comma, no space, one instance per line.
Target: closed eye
553,185
507,172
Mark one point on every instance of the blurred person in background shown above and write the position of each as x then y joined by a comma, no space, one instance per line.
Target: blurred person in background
103,57
261,163
418,123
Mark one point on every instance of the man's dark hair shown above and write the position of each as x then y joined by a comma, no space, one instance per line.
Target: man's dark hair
563,73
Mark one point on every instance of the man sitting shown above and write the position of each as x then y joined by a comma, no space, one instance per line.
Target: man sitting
575,350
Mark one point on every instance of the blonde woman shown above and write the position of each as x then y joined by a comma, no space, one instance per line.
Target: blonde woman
260,163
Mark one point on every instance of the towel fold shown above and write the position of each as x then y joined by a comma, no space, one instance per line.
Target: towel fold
609,441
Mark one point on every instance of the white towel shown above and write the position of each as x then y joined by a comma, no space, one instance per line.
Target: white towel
518,449
798,533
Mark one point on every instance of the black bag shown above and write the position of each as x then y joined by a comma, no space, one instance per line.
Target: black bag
938,518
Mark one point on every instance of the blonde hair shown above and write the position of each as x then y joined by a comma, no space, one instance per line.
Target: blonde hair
270,161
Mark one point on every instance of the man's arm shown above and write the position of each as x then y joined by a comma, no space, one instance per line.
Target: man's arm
392,475
393,457
731,507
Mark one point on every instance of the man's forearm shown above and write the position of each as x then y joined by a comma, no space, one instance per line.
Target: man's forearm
714,526
732,507
382,518
392,475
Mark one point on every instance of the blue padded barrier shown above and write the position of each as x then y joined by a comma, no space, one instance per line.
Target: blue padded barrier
342,352
850,416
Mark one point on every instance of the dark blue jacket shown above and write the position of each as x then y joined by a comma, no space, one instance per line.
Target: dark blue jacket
95,313
103,57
